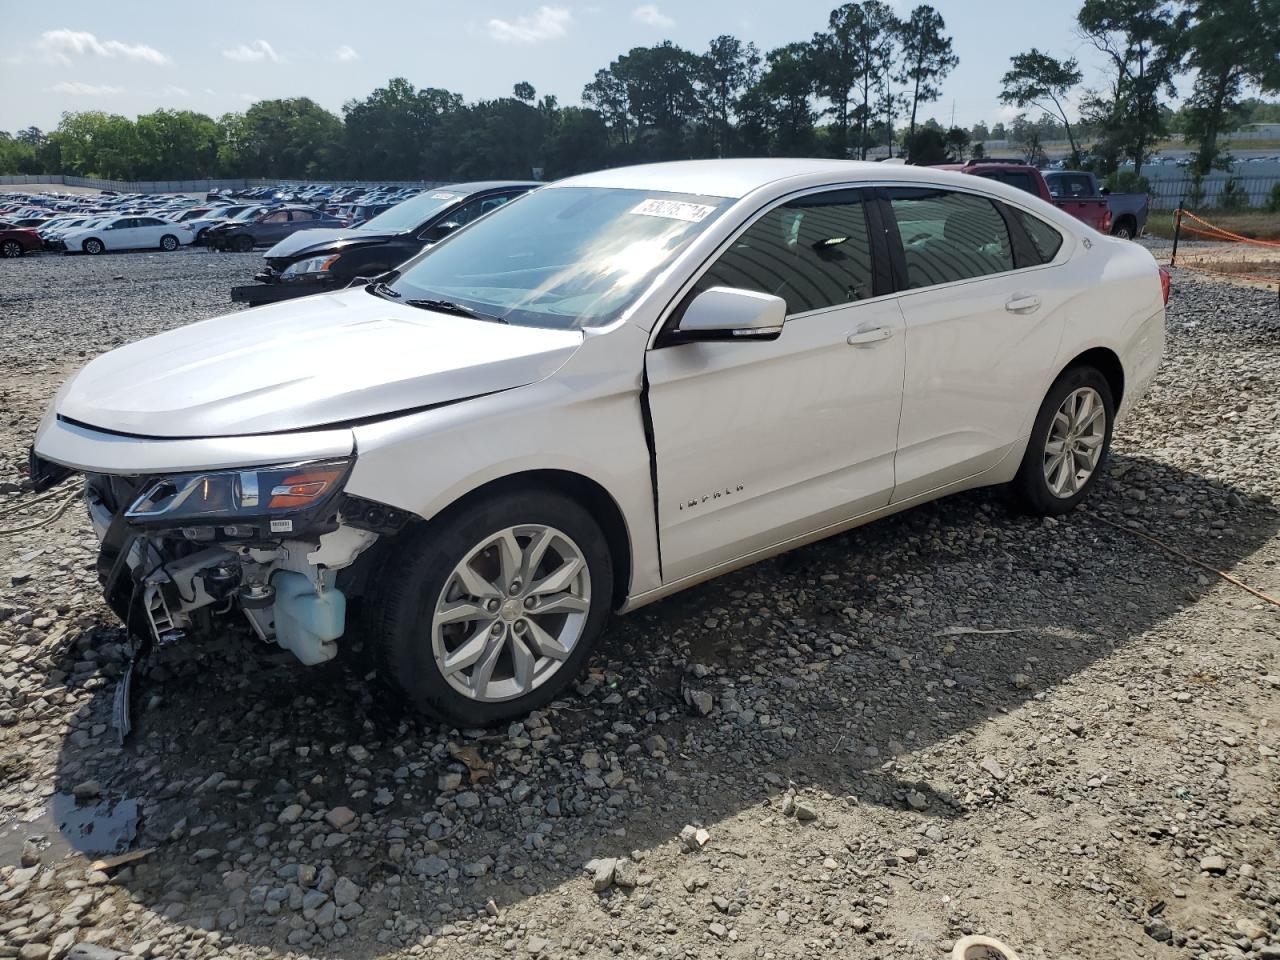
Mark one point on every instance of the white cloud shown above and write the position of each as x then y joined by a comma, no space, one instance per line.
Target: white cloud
1007,113
58,44
250,97
252,52
76,88
345,54
546,23
172,91
651,16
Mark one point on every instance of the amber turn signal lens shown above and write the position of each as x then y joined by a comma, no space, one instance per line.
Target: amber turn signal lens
302,489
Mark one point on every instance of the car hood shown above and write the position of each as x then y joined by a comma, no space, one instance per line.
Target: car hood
322,238
317,361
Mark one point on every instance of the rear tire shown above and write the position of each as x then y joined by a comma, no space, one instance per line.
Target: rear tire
1069,443
11,249
169,242
93,246
1124,229
242,244
470,639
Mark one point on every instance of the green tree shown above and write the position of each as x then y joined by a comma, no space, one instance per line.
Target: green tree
524,91
1144,41
727,68
97,144
176,144
607,93
957,142
395,133
851,58
1231,43
1040,80
926,57
290,138
777,110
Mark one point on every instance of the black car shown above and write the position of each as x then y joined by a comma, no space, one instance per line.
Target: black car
267,228
313,261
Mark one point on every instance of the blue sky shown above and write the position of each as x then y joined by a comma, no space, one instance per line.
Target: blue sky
133,57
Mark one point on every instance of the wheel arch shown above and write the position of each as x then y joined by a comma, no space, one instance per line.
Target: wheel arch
1108,363
589,493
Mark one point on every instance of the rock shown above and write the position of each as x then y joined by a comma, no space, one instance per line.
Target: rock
1158,930
1213,864
626,874
718,930
92,951
345,891
34,951
1251,928
87,790
907,854
701,701
693,838
290,814
992,766
30,856
805,812
536,945
917,800
603,871
339,817
431,866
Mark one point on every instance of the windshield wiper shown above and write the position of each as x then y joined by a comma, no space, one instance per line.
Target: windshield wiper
448,306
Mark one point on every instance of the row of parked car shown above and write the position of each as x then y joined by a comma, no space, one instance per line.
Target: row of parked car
232,220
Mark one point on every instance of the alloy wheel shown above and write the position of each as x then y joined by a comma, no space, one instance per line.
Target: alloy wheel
511,612
11,248
1074,444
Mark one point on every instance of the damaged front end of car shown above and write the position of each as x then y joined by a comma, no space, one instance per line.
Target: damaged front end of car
182,552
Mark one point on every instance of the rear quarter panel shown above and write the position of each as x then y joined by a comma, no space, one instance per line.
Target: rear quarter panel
1125,312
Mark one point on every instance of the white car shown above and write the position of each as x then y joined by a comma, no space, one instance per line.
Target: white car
612,388
128,233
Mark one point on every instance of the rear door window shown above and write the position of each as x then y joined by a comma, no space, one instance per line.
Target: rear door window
1046,240
814,252
948,235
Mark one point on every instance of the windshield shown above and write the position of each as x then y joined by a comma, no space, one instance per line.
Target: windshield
565,257
411,213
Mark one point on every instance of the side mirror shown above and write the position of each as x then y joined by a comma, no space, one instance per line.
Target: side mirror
727,313
1106,191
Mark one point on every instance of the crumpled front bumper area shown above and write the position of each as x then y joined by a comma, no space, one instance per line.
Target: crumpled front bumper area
169,580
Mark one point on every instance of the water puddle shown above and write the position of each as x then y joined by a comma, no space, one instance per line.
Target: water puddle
63,826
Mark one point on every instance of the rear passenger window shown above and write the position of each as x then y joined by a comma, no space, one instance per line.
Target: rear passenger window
1046,240
949,236
814,252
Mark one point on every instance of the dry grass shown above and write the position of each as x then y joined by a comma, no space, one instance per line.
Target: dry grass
1257,224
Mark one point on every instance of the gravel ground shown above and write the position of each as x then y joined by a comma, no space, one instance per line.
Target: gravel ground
957,720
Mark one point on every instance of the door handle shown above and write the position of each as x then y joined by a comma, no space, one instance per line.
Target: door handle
863,338
1023,303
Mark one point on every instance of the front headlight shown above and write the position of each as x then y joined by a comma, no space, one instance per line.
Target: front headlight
275,494
311,265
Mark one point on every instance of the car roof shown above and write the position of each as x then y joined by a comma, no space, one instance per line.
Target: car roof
737,178
479,186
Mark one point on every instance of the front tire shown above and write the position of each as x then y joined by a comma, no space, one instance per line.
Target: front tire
93,246
492,610
169,242
1069,443
10,249
242,244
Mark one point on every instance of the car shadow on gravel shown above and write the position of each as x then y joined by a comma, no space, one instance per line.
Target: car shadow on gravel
822,665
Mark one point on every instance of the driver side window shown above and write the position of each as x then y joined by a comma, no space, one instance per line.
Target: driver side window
814,252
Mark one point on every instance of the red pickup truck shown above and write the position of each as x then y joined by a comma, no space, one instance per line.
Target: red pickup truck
1095,211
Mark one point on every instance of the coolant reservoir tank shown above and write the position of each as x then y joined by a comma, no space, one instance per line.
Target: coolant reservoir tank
306,622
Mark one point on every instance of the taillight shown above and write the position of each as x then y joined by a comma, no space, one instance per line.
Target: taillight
1106,222
1165,282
